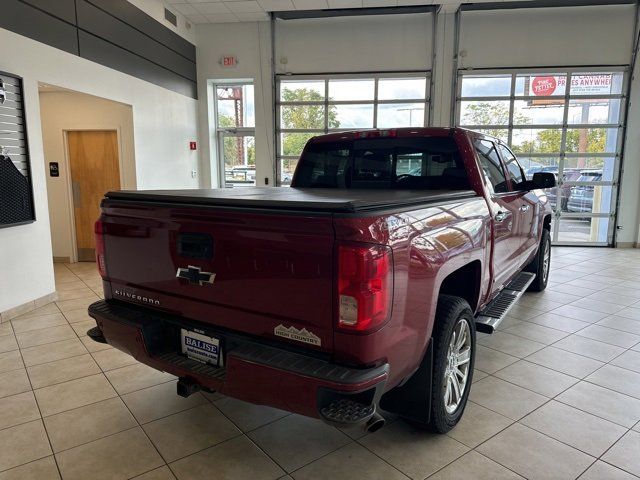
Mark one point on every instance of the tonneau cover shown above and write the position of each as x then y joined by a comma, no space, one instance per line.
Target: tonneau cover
311,199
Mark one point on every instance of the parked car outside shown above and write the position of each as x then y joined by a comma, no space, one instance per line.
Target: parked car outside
581,197
568,175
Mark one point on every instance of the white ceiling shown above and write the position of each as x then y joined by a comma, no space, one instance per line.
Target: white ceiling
224,11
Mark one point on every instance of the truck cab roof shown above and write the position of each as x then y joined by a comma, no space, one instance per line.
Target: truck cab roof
405,132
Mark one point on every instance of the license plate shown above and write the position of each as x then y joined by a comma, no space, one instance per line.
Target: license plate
201,347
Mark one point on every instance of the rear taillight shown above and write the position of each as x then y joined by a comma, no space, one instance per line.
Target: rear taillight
99,231
365,286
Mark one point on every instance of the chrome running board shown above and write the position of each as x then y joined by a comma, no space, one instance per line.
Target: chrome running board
490,316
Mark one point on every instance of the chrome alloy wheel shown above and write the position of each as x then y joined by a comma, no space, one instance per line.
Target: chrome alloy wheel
546,260
456,372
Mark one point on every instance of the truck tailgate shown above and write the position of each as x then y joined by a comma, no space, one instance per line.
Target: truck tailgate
270,269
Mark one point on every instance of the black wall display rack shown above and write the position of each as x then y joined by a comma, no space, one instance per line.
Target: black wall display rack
16,190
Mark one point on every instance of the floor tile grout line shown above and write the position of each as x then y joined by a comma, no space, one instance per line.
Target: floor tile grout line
57,360
555,398
81,406
252,429
152,470
633,475
584,379
71,379
358,441
128,409
529,389
590,413
259,447
473,450
562,441
516,385
31,461
44,425
537,431
554,344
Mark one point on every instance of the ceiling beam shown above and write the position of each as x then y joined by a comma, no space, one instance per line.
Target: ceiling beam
352,12
469,7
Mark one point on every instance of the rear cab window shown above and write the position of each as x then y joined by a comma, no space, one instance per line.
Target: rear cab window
379,163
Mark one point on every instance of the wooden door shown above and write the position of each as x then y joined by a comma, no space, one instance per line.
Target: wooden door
95,170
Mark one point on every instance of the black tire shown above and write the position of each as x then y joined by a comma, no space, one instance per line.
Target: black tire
449,312
537,265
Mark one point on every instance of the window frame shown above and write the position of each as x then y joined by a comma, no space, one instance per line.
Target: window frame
217,133
327,103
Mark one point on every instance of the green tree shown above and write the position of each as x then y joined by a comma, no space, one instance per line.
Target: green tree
546,141
303,117
577,141
232,156
491,113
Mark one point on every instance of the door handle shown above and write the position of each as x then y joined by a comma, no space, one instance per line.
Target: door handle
77,196
500,216
525,208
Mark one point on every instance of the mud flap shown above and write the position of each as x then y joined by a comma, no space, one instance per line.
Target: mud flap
412,400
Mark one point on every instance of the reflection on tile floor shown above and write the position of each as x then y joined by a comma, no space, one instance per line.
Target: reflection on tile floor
556,395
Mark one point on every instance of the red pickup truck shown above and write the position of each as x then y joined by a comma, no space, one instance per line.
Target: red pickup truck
357,290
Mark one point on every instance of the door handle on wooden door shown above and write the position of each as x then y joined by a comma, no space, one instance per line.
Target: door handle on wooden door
77,195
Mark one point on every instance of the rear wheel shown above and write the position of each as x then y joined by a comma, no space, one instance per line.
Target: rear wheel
454,337
541,263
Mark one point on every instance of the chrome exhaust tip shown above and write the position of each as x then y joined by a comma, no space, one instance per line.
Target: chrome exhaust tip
375,423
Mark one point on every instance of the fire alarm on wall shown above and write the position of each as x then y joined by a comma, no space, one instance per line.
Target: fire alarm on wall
192,145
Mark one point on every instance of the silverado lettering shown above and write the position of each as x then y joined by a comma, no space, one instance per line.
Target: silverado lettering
133,296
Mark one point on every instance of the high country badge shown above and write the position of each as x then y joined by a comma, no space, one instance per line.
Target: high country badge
292,333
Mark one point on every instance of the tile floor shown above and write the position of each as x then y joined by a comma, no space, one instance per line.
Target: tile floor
556,396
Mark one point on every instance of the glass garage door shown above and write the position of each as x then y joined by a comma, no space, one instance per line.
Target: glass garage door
313,105
565,122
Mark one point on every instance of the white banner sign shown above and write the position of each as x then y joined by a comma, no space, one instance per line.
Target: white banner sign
593,84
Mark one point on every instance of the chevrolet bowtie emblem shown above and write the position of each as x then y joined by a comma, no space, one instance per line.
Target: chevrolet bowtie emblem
195,276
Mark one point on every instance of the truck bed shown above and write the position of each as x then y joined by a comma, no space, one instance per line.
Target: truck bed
309,199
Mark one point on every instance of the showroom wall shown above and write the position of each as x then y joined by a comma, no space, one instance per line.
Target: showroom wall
63,111
250,42
164,122
354,44
546,37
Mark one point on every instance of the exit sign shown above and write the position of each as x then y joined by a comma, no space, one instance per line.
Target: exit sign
229,61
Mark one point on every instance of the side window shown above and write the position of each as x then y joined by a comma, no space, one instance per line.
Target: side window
513,167
490,163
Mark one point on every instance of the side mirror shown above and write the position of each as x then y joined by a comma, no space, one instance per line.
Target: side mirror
543,180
